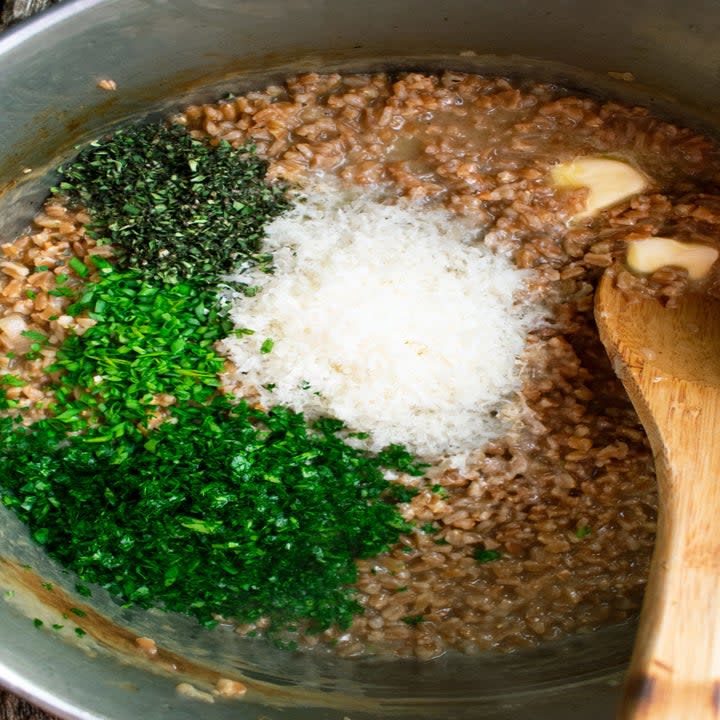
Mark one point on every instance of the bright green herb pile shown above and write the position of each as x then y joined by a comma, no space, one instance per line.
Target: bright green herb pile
173,206
150,339
221,508
227,510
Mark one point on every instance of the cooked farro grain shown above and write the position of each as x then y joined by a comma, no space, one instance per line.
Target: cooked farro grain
34,265
569,502
546,531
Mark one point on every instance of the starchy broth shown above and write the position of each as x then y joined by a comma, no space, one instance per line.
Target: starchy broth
548,529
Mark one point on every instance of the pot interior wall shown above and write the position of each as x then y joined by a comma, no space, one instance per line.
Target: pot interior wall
163,53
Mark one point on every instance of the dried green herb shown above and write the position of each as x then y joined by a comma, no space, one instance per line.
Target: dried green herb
173,206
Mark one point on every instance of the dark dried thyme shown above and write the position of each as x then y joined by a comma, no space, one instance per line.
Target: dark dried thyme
171,205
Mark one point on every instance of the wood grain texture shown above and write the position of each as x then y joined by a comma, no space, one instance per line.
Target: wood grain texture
669,362
12,11
14,708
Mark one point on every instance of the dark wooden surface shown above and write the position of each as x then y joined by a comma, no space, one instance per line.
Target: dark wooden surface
12,11
14,708
11,706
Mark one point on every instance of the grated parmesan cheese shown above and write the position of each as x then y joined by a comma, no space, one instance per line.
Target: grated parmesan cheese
391,318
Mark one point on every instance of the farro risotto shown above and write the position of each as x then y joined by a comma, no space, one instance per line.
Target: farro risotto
319,361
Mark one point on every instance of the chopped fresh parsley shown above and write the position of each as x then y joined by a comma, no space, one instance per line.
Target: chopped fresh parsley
227,510
12,380
83,590
35,335
148,340
79,267
403,494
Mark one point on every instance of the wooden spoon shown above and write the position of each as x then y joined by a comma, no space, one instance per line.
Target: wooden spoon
669,361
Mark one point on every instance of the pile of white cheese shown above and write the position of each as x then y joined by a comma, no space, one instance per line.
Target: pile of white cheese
391,318
398,321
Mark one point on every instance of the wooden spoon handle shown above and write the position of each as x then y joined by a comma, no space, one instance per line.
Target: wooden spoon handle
669,361
675,669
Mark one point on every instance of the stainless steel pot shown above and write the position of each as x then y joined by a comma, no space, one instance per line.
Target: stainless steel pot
163,53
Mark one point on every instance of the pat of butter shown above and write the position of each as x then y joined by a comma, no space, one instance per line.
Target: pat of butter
653,253
608,181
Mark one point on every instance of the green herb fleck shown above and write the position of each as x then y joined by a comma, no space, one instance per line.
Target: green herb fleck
403,494
484,556
267,346
61,292
83,590
12,380
38,623
79,267
35,335
583,531
413,619
440,490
